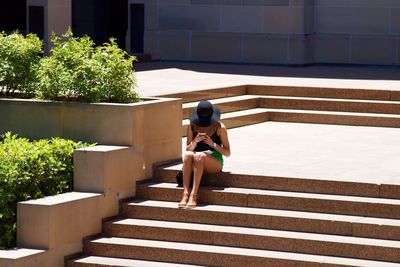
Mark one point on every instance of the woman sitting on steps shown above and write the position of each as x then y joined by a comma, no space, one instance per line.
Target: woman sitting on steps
207,141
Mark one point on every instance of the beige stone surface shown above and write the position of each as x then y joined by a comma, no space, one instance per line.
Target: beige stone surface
60,220
161,78
332,48
174,45
259,48
355,20
343,153
224,47
367,49
107,170
22,258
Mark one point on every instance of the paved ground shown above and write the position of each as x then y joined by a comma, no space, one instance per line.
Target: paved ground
316,151
159,78
364,154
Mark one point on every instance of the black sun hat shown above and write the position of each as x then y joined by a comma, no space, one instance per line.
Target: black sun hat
205,114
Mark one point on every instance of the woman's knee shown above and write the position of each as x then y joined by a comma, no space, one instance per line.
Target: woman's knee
188,157
199,158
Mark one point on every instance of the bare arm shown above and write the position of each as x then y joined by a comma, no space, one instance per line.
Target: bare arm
191,142
225,148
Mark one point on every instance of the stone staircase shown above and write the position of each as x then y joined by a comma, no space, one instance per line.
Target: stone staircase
250,220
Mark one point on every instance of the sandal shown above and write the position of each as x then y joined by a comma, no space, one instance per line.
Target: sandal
192,203
184,200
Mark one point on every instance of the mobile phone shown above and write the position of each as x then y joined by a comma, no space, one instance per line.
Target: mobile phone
202,134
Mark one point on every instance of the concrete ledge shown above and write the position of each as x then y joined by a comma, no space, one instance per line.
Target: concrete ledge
107,170
22,258
56,221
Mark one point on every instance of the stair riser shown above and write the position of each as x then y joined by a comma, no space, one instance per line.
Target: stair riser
276,202
238,121
321,105
345,228
295,117
229,106
255,242
286,184
385,95
189,257
233,219
352,120
210,94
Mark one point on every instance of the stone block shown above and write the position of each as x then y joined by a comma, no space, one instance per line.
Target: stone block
359,3
222,47
371,49
174,45
22,117
108,170
332,48
151,44
266,2
56,221
263,48
354,20
288,20
151,16
395,21
301,49
302,2
245,19
22,258
187,17
101,123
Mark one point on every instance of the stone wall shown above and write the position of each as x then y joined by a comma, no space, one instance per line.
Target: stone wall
273,31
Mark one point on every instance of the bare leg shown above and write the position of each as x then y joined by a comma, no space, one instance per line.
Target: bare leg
202,162
187,171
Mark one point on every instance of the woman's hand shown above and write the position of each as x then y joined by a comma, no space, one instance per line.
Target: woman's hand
208,141
199,137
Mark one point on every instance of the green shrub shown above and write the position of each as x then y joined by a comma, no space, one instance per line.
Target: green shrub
19,58
31,170
78,70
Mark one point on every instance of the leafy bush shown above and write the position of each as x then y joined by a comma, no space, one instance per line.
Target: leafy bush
31,170
19,58
78,70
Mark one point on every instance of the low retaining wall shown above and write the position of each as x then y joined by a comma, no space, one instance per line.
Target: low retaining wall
132,139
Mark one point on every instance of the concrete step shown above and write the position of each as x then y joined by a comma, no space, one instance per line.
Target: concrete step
294,91
329,104
285,241
227,104
258,115
319,92
237,118
237,103
213,255
167,173
285,220
258,198
95,261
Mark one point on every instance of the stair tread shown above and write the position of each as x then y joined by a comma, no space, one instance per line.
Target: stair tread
237,251
273,212
108,261
220,100
258,232
254,111
245,97
281,193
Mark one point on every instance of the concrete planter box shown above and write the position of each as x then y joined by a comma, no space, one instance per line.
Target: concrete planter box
151,126
130,138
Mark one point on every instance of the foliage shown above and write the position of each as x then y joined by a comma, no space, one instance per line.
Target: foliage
78,70
19,58
31,170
